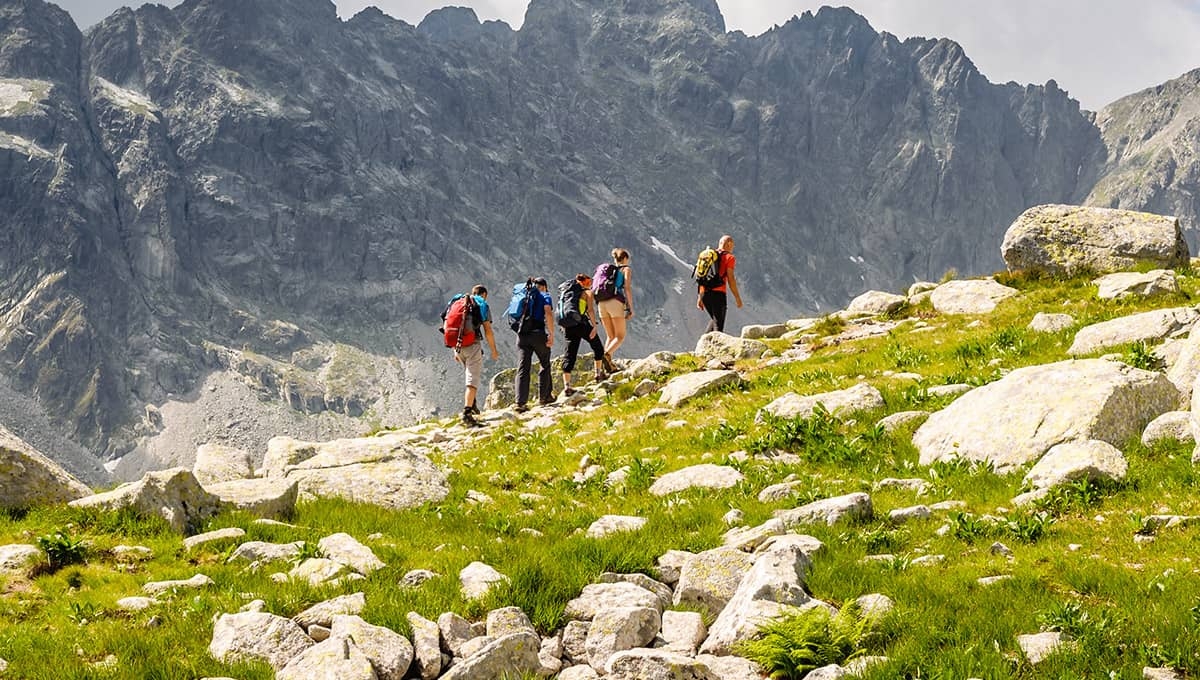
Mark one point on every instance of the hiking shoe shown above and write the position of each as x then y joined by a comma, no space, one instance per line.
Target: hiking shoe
520,408
601,376
468,420
550,402
570,391
473,409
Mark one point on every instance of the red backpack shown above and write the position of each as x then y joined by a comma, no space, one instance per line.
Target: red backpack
461,319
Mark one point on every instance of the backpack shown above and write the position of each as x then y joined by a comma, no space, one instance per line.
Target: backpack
707,271
570,304
525,313
604,283
461,319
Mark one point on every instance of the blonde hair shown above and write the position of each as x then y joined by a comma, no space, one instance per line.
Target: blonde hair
620,254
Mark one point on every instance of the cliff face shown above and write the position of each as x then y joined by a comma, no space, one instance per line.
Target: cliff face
258,188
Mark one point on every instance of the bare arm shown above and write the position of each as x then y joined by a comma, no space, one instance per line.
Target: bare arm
733,286
549,312
628,296
487,333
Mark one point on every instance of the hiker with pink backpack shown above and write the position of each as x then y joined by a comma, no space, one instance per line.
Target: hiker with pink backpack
614,296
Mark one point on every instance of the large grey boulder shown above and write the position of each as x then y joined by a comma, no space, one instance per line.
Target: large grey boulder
322,613
656,664
173,494
975,296
1033,408
724,347
1146,326
1066,239
682,389
272,498
1136,284
840,403
346,549
19,558
29,478
1050,323
390,653
655,364
261,551
599,596
1179,426
760,331
710,578
257,636
510,656
336,658
876,302
477,579
776,578
618,629
427,649
1185,368
221,463
1090,460
387,470
703,476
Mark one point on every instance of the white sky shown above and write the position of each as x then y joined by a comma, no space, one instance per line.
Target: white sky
1098,50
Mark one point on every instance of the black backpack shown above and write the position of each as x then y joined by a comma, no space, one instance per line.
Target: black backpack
570,304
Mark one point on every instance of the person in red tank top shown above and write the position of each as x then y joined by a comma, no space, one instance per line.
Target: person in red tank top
713,300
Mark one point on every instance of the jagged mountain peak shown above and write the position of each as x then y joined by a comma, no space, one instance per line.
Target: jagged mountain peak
39,40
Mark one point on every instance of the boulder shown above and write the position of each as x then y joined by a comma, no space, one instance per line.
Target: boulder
273,498
598,596
1185,368
723,347
1067,239
875,302
387,470
711,577
656,664
20,558
618,629
427,650
830,511
390,653
261,551
322,613
1149,326
511,656
776,578
477,579
840,403
1171,426
346,549
977,296
682,632
656,364
611,524
29,478
902,419
506,621
219,536
455,632
642,581
682,389
1136,284
257,636
703,476
768,331
1051,323
337,658
173,494
318,571
219,463
1037,647
194,583
1075,460
731,667
1036,407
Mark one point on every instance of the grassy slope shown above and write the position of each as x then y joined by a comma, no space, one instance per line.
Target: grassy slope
1128,605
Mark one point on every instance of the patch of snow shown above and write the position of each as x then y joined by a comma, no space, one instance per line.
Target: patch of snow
857,259
659,245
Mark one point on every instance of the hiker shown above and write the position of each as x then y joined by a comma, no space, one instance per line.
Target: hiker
614,298
464,317
577,316
533,320
711,282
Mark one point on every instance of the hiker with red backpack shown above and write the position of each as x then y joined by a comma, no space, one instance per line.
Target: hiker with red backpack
614,297
577,316
714,269
463,319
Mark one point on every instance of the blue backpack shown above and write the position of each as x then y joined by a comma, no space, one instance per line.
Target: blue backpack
525,313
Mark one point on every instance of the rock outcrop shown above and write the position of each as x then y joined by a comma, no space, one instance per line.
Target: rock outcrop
28,478
1067,239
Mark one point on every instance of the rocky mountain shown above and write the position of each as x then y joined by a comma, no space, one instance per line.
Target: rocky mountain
239,218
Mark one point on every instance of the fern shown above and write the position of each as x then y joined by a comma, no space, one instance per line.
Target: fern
791,646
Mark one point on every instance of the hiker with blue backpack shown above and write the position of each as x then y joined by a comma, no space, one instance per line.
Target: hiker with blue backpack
614,297
577,317
531,316
465,316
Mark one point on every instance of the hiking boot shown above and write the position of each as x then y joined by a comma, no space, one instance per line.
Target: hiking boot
569,391
520,408
473,409
600,376
608,363
553,401
468,419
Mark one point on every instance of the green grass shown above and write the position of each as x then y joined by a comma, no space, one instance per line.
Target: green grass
1129,604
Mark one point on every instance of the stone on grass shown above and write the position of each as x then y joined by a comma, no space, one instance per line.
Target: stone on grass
1090,460
477,579
136,603
839,403
658,363
768,331
173,494
1151,326
1175,426
876,302
776,579
618,629
1067,239
318,570
830,511
611,524
346,549
427,650
28,478
1136,284
390,653
1051,323
1034,408
260,551
711,577
656,664
273,498
194,583
20,558
414,578
219,463
703,476
902,419
749,538
684,388
598,596
723,347
978,296
1038,646
218,536
901,515
322,613
337,658
256,636
506,621
513,656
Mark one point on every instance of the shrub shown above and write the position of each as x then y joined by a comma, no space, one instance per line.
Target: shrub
62,550
790,647
1139,355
